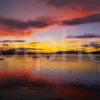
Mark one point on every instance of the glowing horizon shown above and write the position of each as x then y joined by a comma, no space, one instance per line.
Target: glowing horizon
47,21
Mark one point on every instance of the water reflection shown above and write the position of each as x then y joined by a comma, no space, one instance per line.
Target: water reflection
69,70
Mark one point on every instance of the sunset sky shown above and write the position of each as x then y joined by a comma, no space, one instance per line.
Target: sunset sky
49,22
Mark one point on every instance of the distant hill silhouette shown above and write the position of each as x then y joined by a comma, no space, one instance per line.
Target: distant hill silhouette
23,51
71,52
20,51
77,52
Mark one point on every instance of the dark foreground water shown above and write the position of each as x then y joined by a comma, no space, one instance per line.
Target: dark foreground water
56,78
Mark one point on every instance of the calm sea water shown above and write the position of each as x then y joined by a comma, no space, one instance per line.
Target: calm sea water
67,68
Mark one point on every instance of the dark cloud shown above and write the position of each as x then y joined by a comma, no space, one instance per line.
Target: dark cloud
12,23
13,41
34,42
75,4
86,35
18,40
83,20
40,22
92,44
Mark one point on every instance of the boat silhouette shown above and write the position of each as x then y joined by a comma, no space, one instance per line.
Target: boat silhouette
1,58
97,58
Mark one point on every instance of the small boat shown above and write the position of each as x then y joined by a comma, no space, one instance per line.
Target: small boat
1,58
35,57
48,57
97,58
